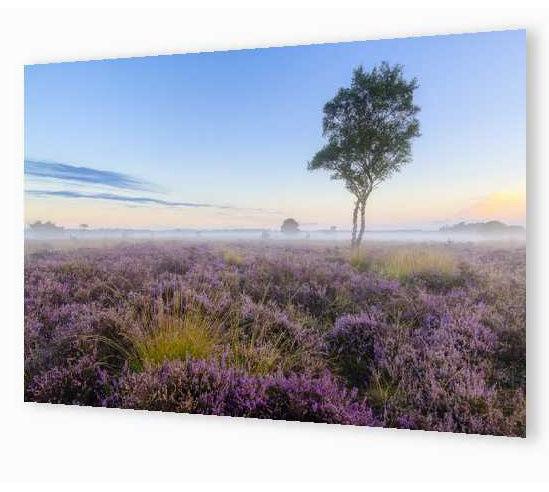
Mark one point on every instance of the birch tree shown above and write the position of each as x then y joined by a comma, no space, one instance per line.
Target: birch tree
369,127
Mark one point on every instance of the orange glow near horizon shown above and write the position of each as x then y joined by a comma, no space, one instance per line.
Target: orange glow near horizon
508,206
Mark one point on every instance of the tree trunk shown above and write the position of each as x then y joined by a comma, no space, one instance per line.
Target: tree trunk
355,216
362,222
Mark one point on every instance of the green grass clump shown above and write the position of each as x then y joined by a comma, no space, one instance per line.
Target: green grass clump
183,329
166,334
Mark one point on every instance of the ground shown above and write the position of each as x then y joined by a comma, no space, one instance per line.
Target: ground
422,336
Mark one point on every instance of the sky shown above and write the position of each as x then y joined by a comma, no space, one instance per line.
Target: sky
222,139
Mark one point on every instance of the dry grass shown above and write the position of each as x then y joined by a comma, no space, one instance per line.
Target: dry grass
173,333
260,353
255,358
231,257
361,260
404,263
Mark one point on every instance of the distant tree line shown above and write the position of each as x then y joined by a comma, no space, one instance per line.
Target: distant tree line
48,227
490,227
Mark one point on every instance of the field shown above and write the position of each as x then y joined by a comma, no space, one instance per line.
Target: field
427,336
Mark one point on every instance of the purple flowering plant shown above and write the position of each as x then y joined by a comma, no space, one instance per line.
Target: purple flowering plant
281,332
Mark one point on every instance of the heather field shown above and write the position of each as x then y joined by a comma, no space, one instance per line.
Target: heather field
425,336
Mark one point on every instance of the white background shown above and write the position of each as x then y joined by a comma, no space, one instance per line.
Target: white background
56,443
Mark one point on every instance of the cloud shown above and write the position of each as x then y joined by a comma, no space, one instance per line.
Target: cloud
79,174
57,172
137,200
122,198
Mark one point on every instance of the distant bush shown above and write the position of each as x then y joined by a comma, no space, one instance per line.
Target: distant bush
289,226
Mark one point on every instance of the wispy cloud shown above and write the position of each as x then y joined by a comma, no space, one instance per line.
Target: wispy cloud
137,200
67,172
57,173
121,198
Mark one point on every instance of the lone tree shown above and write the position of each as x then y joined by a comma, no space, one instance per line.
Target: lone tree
369,127
290,226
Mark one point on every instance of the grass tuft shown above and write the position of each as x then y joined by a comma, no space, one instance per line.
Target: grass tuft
167,334
411,261
402,263
360,260
261,353
231,257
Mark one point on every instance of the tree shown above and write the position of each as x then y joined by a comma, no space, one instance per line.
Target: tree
369,127
290,226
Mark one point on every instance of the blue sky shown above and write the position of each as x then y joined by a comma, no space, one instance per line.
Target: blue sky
222,139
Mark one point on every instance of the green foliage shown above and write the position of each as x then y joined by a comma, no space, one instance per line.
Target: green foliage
370,127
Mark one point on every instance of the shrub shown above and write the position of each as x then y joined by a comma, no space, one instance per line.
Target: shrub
211,388
83,382
298,397
351,345
192,386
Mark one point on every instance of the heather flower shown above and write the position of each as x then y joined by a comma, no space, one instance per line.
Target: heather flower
211,388
83,382
353,346
300,334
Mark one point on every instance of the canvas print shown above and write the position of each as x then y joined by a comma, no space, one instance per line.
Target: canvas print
330,233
